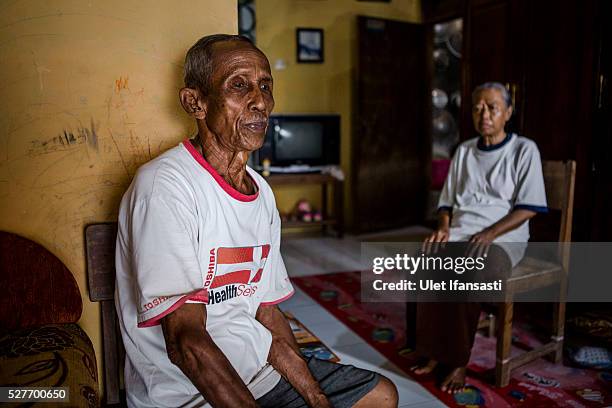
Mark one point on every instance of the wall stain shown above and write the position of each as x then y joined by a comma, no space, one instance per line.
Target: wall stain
66,140
125,167
90,135
121,83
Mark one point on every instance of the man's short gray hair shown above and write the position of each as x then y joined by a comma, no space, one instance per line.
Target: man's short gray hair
493,85
198,61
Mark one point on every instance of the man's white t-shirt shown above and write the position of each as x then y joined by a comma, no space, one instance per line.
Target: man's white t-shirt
484,184
185,235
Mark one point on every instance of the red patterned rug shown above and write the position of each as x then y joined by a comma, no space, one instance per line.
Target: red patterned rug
382,325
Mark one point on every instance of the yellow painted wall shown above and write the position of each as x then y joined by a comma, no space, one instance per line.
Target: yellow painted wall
89,92
319,88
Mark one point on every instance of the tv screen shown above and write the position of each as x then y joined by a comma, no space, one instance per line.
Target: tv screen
298,140
294,139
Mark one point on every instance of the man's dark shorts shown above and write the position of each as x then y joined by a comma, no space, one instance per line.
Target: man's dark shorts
344,385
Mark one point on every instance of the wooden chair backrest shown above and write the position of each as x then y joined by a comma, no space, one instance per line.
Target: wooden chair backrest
100,246
100,250
559,179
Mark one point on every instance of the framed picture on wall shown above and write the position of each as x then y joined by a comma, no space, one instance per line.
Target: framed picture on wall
309,45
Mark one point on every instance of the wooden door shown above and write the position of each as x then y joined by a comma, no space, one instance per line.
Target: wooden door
601,218
391,142
559,77
545,51
492,52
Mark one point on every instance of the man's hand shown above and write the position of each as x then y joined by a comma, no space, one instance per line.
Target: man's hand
286,358
192,349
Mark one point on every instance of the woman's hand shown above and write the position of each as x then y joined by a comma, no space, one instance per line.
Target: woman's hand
479,243
435,241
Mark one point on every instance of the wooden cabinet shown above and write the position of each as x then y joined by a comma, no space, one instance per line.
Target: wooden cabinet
436,11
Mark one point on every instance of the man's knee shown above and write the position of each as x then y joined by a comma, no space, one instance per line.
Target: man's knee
388,392
384,395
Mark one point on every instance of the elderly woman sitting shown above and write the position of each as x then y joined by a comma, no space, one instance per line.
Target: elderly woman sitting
493,188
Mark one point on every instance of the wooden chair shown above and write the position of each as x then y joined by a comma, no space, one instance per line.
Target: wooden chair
100,251
533,273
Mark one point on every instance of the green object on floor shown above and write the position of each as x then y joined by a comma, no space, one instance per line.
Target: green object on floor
383,335
328,295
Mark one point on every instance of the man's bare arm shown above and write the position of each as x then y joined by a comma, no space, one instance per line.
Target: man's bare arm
191,348
286,358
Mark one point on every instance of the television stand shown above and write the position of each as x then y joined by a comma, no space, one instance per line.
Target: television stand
295,169
324,180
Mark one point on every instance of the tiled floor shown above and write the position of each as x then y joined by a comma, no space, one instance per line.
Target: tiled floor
308,256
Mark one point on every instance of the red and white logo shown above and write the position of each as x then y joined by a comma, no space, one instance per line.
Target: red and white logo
242,265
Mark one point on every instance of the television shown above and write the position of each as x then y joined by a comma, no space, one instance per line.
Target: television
300,141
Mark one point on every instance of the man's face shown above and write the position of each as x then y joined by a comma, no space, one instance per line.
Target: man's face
240,98
490,113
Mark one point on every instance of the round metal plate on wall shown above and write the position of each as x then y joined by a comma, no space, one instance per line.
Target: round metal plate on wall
246,19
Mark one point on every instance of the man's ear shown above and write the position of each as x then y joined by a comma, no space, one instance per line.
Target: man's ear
192,102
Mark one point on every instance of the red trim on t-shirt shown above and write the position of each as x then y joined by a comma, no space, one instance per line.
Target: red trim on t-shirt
200,295
277,301
220,180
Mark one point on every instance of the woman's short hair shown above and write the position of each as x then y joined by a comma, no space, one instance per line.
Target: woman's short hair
198,61
493,85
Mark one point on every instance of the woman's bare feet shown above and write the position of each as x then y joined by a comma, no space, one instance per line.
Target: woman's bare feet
427,368
454,381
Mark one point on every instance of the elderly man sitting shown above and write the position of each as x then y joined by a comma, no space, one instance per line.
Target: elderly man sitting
199,270
494,186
